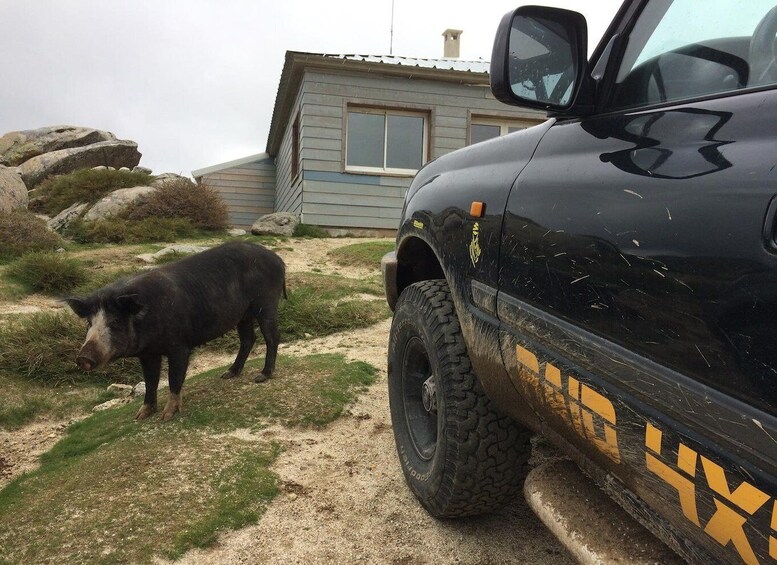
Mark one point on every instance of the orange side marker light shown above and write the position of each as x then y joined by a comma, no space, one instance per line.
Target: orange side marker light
477,209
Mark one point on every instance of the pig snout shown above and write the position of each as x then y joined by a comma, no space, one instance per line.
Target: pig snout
85,363
91,356
96,350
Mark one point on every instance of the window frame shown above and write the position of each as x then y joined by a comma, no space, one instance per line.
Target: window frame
504,123
295,148
605,105
425,114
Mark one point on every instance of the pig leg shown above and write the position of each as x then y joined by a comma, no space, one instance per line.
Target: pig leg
177,362
245,329
268,323
151,365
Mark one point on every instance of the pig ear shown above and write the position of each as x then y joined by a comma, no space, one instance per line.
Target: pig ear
130,304
77,305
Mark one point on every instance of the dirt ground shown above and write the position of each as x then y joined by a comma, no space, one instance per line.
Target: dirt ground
343,496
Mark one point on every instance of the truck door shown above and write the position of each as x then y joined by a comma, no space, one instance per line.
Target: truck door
638,272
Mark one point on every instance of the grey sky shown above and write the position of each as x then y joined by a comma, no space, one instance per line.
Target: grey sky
193,82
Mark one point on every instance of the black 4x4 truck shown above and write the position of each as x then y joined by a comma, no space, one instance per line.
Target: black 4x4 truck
607,278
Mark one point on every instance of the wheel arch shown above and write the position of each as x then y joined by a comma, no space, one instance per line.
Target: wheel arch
416,262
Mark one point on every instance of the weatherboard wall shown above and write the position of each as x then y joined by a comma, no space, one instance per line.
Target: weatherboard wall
247,189
288,197
324,192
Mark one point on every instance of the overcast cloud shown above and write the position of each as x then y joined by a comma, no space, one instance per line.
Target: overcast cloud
193,82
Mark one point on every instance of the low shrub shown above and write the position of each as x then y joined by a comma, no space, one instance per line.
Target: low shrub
122,230
21,232
181,198
86,185
42,347
305,230
49,273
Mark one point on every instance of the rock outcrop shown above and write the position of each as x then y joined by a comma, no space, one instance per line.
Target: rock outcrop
116,153
65,217
116,201
279,223
13,192
159,180
16,147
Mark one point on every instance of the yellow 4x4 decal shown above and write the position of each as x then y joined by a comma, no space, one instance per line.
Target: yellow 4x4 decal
593,417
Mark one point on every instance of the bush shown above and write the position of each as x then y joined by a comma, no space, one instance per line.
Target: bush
21,232
49,273
121,230
305,230
42,347
87,185
181,198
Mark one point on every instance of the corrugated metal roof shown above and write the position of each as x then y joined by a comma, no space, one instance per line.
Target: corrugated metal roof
479,66
229,164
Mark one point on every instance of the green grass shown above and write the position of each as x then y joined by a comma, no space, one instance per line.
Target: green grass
116,491
48,273
86,185
42,347
101,278
367,254
320,305
24,400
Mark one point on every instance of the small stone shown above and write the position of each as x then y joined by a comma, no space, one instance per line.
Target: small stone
120,389
60,250
125,169
140,169
139,389
236,232
115,403
307,335
292,496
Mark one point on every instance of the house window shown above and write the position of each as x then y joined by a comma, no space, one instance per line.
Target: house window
295,148
482,129
386,141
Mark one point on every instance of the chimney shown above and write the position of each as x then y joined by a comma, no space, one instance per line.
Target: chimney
451,45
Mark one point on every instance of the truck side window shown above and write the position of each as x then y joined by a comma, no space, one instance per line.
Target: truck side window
684,49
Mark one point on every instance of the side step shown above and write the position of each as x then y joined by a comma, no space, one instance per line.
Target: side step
593,528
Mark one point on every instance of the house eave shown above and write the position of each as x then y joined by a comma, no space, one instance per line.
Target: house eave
297,63
229,164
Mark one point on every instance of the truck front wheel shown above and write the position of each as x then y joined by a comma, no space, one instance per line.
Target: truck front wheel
459,456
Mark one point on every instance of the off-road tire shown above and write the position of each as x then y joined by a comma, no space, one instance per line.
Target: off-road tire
477,459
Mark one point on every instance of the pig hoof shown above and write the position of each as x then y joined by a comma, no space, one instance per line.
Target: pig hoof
229,375
261,377
173,405
145,411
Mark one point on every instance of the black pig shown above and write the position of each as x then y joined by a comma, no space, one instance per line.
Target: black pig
171,310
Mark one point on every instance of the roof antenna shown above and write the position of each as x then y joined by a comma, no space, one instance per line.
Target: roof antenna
391,45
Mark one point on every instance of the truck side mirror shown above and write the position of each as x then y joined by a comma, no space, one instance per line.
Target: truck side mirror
539,58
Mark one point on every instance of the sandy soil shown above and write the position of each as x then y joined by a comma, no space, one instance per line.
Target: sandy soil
343,496
344,499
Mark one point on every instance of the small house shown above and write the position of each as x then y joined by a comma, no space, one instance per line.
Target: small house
349,132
